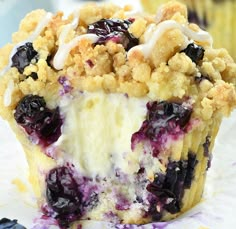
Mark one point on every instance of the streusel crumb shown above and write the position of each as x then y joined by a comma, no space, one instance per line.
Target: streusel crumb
164,73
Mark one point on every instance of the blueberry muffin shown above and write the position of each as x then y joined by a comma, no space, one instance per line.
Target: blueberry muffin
217,16
117,111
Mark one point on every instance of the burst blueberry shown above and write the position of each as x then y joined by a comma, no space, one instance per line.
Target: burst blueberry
114,30
63,194
194,52
168,189
169,111
163,119
192,162
38,120
24,56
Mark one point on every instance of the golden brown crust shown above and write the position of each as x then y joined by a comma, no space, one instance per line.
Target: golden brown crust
166,74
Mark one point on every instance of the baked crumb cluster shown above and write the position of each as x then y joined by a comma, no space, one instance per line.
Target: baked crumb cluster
166,73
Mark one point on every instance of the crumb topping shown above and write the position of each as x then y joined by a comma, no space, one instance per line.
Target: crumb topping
157,67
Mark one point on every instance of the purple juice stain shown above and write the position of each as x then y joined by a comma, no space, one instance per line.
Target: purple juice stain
122,203
114,30
123,177
128,226
164,120
38,121
90,63
67,88
160,225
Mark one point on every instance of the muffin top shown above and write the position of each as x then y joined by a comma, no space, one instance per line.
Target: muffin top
117,50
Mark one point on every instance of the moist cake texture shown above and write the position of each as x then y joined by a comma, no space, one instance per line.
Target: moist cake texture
117,110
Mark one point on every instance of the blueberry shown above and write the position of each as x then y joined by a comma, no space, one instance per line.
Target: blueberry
23,56
37,120
29,107
192,162
63,194
65,84
169,111
10,224
115,30
33,75
168,189
156,216
194,52
163,118
69,197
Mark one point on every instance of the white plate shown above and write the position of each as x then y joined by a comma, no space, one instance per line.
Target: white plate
216,211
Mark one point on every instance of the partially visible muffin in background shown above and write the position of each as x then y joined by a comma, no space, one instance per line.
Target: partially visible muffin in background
216,16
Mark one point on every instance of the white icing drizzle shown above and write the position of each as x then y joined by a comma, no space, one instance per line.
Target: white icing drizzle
132,13
44,22
68,27
8,93
152,37
65,48
159,13
150,30
41,25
